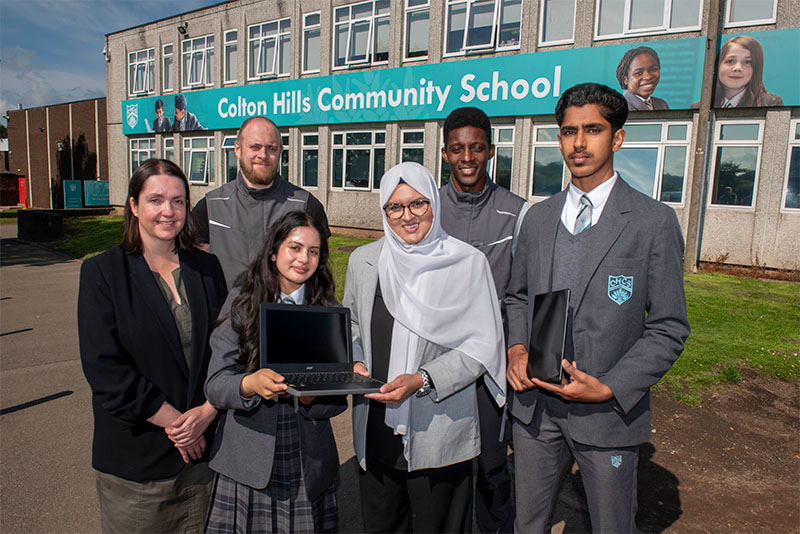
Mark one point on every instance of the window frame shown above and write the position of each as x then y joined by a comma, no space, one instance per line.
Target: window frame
756,22
310,147
412,145
227,43
310,28
134,63
544,144
207,66
661,30
165,69
285,153
413,10
493,44
734,143
168,139
227,147
369,59
189,150
794,142
571,40
375,144
278,37
151,150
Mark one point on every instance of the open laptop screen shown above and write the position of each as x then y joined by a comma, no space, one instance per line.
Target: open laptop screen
305,338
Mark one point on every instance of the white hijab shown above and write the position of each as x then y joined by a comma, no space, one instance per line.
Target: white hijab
441,290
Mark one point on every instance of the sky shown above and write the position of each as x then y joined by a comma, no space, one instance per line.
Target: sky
51,50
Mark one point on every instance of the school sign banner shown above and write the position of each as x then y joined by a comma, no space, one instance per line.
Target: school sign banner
523,84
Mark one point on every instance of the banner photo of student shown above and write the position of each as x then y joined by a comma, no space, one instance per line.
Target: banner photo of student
758,69
523,84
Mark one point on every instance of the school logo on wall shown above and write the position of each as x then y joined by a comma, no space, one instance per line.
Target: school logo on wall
620,288
133,114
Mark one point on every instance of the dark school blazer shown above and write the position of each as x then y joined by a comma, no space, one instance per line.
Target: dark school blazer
132,357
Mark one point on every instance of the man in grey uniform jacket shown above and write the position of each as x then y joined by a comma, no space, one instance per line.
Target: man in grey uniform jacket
487,216
234,219
620,252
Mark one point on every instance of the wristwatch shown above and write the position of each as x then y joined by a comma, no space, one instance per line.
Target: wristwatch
427,384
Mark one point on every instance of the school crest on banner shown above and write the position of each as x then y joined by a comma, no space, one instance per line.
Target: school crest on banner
620,288
133,114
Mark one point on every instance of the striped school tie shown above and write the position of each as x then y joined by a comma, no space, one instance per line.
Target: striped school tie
584,218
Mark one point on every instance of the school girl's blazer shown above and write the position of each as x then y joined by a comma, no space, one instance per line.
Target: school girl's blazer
132,357
244,446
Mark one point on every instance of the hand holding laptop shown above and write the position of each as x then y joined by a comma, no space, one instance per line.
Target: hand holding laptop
264,382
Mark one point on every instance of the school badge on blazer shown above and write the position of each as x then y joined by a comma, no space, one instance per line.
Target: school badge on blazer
620,288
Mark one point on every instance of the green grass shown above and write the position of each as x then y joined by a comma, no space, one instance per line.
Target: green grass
338,260
736,323
8,214
85,237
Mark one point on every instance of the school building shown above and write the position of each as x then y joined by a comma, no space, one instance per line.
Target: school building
357,87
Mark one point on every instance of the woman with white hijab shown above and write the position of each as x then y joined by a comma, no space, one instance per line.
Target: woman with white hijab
426,320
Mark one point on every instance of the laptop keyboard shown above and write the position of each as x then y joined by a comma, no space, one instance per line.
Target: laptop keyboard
342,377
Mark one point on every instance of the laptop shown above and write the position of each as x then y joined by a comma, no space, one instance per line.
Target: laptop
548,335
311,347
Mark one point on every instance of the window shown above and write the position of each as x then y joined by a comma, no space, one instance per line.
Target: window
230,56
625,18
140,71
311,42
169,148
548,165
750,12
482,25
310,165
142,149
198,61
230,159
361,34
269,49
413,147
653,159
285,156
791,193
556,22
198,160
418,14
737,155
499,167
166,72
358,159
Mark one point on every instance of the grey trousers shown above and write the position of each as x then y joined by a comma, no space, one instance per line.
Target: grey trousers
541,452
176,504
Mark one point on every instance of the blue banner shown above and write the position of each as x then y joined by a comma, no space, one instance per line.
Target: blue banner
96,193
523,84
72,194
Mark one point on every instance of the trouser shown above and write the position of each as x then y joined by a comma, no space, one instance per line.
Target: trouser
542,450
177,504
427,500
494,507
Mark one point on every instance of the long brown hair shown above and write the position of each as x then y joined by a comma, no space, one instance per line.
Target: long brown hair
755,88
261,284
186,240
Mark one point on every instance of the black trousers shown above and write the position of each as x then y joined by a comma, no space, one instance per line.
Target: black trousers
428,500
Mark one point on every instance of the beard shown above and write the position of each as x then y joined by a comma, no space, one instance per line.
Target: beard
258,175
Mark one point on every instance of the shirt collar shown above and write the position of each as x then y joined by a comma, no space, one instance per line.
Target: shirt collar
298,296
734,102
597,196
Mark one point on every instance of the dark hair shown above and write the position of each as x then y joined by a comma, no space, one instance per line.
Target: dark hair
462,117
247,122
186,240
625,63
260,284
159,104
615,108
756,87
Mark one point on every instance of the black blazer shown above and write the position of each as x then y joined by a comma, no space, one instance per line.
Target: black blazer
133,360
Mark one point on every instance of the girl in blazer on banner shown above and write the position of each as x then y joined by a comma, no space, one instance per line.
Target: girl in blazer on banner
276,467
145,311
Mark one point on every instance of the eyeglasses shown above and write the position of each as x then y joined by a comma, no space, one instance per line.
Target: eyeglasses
418,208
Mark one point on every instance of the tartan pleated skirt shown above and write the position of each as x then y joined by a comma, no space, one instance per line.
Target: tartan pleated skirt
283,506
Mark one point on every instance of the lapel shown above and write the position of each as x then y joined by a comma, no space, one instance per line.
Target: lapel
550,221
144,282
367,290
198,303
609,227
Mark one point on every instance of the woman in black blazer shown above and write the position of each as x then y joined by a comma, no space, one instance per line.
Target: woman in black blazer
145,311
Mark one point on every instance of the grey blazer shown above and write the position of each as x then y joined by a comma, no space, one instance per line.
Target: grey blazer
443,425
636,104
244,445
626,338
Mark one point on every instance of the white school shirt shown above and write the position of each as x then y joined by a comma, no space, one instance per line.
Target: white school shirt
598,197
298,296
